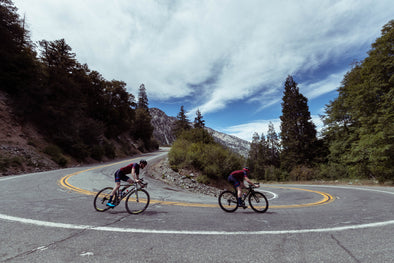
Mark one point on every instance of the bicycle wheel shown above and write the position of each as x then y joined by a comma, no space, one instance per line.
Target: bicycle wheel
137,201
101,199
228,201
258,202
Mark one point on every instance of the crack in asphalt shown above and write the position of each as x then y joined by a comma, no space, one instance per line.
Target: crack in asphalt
54,243
345,249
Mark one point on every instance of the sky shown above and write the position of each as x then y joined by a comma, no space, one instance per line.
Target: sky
227,58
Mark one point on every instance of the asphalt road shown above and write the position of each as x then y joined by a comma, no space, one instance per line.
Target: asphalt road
49,217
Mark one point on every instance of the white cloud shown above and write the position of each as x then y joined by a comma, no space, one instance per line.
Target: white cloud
329,84
239,49
245,131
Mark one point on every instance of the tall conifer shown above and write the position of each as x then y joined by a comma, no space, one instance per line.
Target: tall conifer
298,133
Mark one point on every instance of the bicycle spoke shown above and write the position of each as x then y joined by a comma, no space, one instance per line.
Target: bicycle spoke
258,202
228,201
101,199
137,201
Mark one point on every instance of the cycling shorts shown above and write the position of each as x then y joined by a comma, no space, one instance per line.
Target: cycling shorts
120,176
234,181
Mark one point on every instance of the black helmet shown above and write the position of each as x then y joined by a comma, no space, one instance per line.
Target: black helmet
143,161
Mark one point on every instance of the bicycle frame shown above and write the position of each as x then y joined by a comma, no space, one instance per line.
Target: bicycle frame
120,194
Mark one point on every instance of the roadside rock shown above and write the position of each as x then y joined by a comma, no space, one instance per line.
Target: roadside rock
163,172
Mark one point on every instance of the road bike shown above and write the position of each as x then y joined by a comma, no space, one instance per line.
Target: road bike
137,199
228,200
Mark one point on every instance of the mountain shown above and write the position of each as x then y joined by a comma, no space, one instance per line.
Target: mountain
162,126
162,132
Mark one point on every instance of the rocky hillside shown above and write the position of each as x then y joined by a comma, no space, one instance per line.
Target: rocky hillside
162,133
20,144
22,147
163,125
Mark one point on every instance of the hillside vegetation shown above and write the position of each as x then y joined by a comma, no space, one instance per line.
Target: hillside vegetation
357,142
80,114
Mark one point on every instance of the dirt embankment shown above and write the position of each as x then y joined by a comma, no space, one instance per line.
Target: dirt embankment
20,144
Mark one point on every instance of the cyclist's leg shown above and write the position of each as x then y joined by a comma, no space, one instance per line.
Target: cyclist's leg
237,187
117,176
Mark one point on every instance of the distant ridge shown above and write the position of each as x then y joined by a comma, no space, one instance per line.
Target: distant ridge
163,124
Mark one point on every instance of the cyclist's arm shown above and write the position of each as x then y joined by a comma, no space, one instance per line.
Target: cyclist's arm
248,180
134,175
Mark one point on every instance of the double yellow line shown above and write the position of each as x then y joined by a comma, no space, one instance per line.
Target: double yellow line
327,198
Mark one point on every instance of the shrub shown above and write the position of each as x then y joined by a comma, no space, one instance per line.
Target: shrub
56,154
302,173
97,152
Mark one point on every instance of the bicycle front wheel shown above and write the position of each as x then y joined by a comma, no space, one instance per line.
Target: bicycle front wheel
258,202
101,199
228,201
137,201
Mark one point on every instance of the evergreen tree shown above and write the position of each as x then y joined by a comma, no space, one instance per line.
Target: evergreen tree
199,123
143,125
360,122
19,70
182,123
253,152
273,147
142,98
298,133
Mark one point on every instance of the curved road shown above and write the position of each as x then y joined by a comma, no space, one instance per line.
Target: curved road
49,217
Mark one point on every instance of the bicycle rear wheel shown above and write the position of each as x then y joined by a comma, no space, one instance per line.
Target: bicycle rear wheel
258,202
101,199
228,201
137,201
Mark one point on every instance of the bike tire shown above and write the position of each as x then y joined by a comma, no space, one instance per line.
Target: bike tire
258,202
101,199
137,201
228,201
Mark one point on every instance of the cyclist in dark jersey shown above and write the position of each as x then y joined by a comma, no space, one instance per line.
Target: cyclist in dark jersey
134,170
237,178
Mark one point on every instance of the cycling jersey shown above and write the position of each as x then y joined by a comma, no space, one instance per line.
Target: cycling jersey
127,169
239,175
121,173
236,177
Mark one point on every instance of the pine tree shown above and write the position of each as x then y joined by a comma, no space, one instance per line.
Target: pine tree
298,133
142,98
143,125
273,146
360,122
182,123
198,121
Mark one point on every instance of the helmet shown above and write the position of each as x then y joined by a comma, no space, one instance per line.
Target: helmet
143,161
246,169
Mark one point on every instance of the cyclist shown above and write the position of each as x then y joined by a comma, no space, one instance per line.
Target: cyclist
236,178
134,170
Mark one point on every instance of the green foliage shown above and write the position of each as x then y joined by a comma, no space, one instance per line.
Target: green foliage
72,106
264,155
181,124
199,123
97,152
56,155
302,173
298,133
195,149
360,122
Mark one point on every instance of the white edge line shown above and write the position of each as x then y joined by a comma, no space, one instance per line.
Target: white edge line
181,232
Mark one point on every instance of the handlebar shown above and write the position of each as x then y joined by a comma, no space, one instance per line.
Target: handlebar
256,185
142,182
